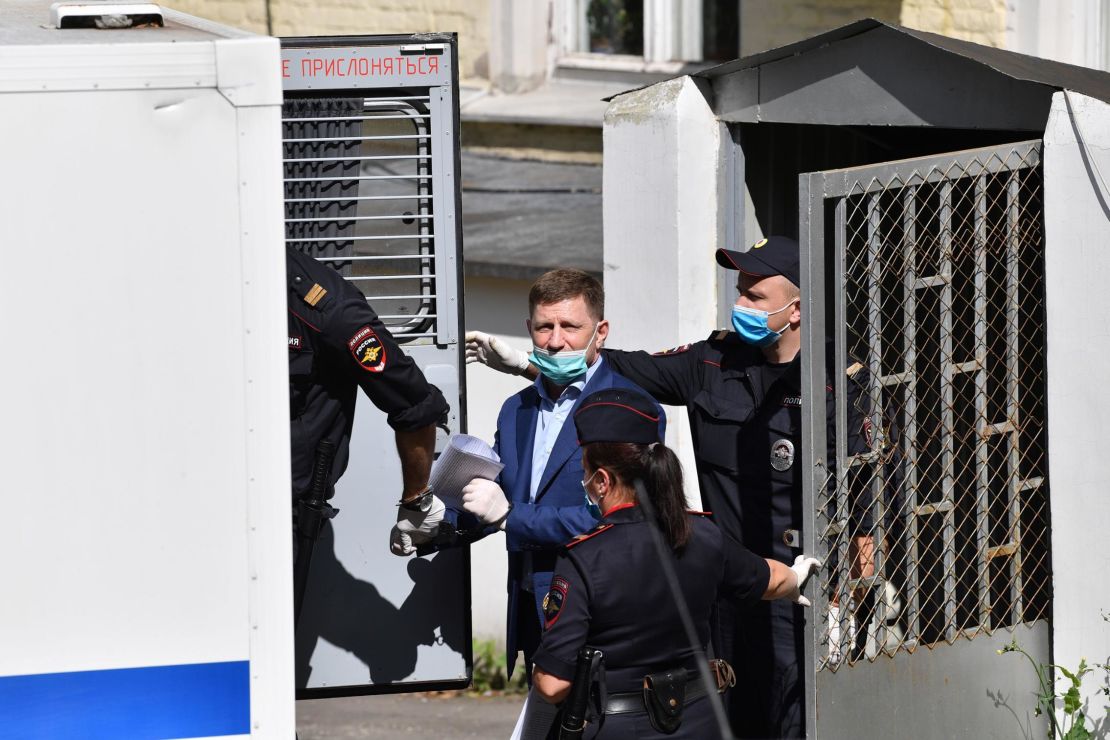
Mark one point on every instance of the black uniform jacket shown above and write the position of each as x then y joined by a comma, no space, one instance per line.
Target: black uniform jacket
608,592
746,423
336,344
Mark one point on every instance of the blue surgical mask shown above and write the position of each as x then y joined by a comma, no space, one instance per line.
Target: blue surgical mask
751,325
563,367
591,506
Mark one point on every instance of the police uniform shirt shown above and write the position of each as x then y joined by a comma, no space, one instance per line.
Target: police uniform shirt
746,424
608,592
336,345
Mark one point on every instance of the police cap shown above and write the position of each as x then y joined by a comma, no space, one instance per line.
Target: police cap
775,255
617,415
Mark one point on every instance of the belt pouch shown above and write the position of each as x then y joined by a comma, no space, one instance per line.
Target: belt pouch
664,697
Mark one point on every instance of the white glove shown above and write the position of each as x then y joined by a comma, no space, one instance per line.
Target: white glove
803,566
416,526
835,653
494,353
485,500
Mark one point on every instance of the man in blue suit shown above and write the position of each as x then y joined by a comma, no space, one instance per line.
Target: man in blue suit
538,500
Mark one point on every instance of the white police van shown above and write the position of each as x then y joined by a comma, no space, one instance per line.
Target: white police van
146,549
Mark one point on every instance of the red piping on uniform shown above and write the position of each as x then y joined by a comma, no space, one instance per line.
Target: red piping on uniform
710,362
310,326
618,507
618,405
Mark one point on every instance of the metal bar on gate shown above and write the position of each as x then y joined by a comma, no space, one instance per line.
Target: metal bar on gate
982,452
875,384
394,277
909,426
409,196
353,178
360,238
1013,406
323,119
811,216
932,170
367,257
418,296
390,217
948,423
355,159
845,532
382,137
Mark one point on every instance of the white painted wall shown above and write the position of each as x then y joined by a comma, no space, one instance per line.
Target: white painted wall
660,196
499,307
1077,271
1071,31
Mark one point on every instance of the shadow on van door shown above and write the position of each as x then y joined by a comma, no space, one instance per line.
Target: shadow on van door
354,616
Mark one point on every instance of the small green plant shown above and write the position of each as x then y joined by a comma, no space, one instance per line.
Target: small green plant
490,673
1073,724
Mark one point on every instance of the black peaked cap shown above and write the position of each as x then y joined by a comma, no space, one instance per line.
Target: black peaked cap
617,415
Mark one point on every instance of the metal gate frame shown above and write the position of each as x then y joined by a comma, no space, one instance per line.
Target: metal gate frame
924,668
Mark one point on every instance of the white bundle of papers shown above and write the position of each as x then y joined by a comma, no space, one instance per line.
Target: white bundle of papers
465,459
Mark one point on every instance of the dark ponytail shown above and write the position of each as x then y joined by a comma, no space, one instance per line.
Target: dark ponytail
659,469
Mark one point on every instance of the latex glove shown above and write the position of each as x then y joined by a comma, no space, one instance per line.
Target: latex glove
494,353
485,500
835,653
415,526
803,566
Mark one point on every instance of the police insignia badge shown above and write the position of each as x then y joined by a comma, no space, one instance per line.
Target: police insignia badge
554,601
759,244
782,455
367,350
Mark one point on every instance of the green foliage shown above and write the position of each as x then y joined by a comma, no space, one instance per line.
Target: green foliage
490,673
1072,725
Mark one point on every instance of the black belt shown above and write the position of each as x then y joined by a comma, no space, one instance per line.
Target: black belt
633,701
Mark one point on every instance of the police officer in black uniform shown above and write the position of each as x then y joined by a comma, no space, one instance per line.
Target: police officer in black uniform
608,591
742,391
337,344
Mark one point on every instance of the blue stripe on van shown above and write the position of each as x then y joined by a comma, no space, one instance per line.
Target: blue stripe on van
174,701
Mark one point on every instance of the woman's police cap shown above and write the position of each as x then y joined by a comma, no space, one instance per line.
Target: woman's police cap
617,415
775,255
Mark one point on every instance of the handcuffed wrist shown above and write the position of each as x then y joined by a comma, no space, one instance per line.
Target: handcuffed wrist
421,502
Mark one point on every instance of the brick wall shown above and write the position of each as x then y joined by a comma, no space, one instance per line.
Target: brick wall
469,18
981,21
767,24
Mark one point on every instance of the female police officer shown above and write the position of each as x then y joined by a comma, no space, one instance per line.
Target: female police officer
608,590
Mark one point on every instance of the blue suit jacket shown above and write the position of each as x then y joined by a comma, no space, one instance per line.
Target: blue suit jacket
559,513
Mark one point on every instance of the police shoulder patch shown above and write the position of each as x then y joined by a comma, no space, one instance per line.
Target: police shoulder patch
555,600
672,351
367,349
588,536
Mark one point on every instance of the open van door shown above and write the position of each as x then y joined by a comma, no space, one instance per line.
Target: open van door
371,161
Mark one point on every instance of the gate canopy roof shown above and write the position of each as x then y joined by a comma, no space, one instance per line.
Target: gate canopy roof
871,73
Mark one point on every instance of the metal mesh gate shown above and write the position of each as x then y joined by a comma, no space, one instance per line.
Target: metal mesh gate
931,505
